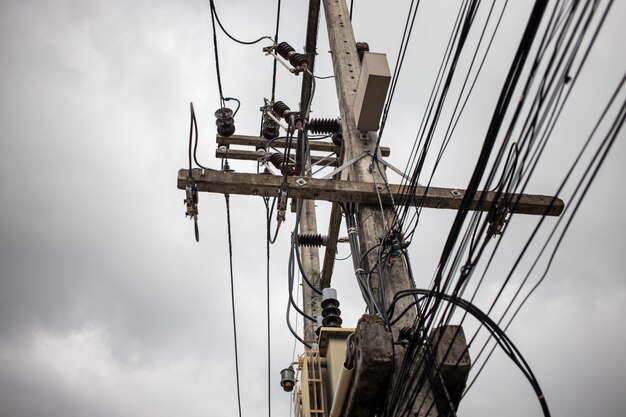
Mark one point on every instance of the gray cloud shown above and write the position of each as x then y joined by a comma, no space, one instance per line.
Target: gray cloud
108,307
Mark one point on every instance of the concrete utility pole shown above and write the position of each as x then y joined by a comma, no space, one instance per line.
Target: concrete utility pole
372,223
362,184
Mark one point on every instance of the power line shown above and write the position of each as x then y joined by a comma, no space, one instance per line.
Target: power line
275,43
232,295
269,336
214,13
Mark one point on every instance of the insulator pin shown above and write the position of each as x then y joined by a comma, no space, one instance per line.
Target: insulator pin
312,240
286,51
225,122
324,126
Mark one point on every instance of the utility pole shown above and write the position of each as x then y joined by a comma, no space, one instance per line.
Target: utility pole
308,223
361,183
372,222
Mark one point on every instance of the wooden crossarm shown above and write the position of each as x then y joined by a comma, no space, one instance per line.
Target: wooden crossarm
267,185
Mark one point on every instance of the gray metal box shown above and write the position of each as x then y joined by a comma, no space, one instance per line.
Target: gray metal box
371,91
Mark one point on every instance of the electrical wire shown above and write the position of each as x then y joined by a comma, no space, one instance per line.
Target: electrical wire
232,295
404,43
502,339
214,13
567,69
275,43
599,156
193,133
267,286
217,57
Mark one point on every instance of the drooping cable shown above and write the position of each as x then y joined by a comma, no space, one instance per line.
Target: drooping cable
541,144
432,302
193,133
502,339
217,58
544,97
599,156
232,295
217,18
267,286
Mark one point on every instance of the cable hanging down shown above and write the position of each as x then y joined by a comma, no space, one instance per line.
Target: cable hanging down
232,295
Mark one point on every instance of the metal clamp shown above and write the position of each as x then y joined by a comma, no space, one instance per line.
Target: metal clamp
191,204
282,202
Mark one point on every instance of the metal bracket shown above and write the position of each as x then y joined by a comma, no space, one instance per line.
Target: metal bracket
394,169
346,165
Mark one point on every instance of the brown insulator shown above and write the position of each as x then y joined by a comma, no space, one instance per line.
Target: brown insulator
225,122
286,51
324,126
270,129
281,109
278,160
312,240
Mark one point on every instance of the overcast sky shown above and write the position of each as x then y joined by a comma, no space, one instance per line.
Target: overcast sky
108,307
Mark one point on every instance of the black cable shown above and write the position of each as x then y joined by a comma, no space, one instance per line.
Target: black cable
275,43
291,265
433,302
453,122
301,267
214,13
238,104
506,188
269,344
232,295
194,128
269,220
191,124
293,332
433,111
503,340
217,58
606,144
505,97
567,70
351,5
404,43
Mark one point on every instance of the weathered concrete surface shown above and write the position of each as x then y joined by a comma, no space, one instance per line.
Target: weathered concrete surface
452,366
372,367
